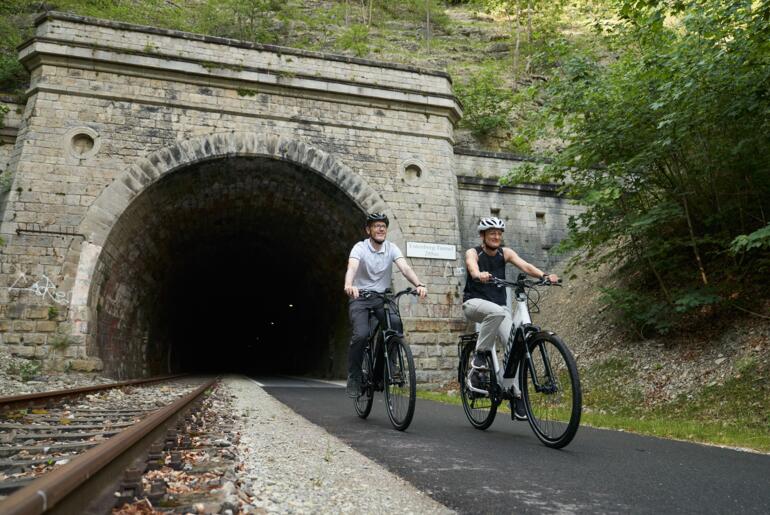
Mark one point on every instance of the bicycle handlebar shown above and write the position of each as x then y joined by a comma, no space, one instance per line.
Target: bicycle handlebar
387,295
522,281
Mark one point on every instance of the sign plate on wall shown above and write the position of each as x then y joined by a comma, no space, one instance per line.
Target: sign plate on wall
430,250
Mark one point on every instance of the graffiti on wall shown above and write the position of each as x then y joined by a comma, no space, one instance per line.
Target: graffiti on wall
43,287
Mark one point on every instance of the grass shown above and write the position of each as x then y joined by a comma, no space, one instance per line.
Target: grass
735,413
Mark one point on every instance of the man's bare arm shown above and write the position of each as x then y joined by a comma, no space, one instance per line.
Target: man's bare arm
351,290
411,276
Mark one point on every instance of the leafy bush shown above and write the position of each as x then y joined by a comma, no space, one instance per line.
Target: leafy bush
355,39
26,369
668,150
486,104
647,315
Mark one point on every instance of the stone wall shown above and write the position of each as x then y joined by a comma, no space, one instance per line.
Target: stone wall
535,216
116,115
103,96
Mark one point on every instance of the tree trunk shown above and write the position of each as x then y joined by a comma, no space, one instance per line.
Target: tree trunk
529,21
694,244
518,41
427,24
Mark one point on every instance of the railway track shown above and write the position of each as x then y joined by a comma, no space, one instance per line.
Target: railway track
68,452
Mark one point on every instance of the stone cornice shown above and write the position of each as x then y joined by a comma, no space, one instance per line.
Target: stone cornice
56,15
491,185
499,155
8,134
42,50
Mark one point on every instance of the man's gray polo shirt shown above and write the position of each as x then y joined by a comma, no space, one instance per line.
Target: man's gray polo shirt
375,266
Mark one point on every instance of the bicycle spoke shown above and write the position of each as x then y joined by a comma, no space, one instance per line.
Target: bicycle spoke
479,408
400,388
552,392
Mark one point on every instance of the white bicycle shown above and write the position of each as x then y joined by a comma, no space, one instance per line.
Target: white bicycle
548,375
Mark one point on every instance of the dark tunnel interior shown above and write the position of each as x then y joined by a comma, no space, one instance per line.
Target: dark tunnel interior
233,265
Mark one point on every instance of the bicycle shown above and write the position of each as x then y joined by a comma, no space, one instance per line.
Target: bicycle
548,375
387,353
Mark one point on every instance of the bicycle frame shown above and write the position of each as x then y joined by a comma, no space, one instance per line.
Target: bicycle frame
388,333
516,350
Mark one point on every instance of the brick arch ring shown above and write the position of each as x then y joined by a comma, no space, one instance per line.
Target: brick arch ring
112,202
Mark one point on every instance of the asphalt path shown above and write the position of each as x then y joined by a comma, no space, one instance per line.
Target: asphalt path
505,469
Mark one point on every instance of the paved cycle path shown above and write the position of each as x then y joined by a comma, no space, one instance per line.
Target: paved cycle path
505,469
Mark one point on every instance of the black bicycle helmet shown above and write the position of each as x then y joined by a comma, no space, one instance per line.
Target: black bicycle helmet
377,217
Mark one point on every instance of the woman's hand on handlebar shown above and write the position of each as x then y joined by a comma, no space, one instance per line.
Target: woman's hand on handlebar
351,292
484,277
551,278
422,292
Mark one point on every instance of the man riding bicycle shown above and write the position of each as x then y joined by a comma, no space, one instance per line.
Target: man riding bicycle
484,302
369,268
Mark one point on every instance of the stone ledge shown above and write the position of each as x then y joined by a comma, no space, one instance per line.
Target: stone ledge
484,184
55,15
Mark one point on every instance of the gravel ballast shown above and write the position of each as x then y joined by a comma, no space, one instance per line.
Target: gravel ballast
290,465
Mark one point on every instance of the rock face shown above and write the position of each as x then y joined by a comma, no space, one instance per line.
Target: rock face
144,154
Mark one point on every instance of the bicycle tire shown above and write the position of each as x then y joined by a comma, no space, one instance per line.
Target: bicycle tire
401,389
552,397
480,410
363,403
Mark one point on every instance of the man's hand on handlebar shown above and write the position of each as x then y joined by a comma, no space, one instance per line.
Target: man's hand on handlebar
422,291
351,292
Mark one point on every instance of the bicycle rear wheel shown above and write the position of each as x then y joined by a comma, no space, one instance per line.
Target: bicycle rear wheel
400,384
551,389
479,408
363,403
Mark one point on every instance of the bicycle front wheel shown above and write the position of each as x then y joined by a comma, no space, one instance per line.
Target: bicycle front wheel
551,389
479,408
400,384
363,403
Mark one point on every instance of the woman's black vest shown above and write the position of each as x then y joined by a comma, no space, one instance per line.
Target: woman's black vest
495,265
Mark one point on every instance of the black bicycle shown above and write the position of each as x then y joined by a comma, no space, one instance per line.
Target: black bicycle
548,383
388,363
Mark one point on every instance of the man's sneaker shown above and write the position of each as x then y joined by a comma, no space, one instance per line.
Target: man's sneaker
479,361
354,387
518,412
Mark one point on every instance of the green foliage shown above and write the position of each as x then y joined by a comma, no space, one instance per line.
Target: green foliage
668,149
26,370
690,300
415,10
60,342
759,239
355,39
486,103
646,314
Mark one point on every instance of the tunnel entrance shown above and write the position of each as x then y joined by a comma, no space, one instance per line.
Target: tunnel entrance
229,265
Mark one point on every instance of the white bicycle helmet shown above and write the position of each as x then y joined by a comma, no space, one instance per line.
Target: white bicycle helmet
491,223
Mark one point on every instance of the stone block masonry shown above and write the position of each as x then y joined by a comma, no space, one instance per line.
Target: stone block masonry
140,153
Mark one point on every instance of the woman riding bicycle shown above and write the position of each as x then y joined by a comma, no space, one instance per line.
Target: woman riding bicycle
484,302
369,268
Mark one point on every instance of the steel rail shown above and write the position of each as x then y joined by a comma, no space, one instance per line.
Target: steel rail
70,488
32,398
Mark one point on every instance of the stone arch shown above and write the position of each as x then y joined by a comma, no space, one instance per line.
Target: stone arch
107,209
